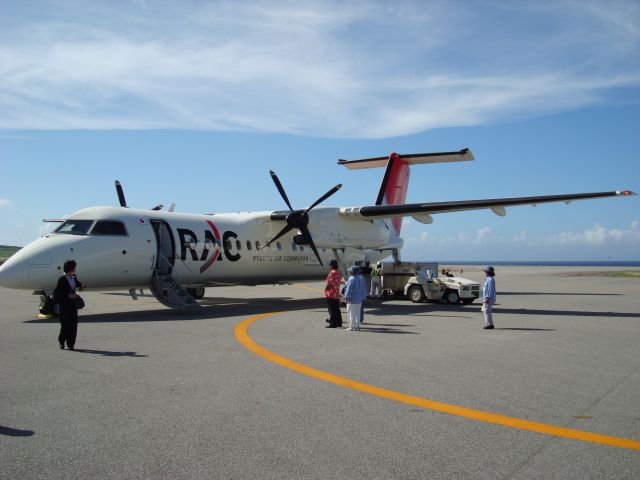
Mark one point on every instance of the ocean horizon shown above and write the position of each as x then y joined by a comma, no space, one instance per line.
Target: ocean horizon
545,263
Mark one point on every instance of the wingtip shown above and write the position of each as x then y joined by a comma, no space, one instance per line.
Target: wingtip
626,193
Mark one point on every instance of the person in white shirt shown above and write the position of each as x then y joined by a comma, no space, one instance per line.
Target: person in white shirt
488,296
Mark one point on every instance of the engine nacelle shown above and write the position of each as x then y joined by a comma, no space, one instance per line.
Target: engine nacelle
329,229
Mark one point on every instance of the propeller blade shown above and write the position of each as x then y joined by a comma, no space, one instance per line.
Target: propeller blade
280,188
324,197
123,202
298,219
284,231
305,232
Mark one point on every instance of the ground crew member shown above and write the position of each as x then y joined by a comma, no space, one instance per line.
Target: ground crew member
376,281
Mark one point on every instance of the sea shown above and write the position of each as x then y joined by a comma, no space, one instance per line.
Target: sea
547,263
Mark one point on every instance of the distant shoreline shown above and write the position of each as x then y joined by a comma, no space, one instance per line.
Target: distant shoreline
549,263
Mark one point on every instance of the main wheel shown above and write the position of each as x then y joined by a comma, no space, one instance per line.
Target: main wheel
452,297
416,294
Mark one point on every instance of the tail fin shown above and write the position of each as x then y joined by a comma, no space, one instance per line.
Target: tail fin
393,189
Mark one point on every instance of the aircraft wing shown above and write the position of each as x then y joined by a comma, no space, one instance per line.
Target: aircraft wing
421,211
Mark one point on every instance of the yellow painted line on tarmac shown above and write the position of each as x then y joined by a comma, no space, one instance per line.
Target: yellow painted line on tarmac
242,335
304,287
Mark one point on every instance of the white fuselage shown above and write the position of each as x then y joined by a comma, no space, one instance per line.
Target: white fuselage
203,250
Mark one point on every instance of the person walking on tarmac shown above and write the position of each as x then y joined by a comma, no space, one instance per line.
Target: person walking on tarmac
332,294
65,296
376,281
354,294
488,296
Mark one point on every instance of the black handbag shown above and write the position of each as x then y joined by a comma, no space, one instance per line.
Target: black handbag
79,302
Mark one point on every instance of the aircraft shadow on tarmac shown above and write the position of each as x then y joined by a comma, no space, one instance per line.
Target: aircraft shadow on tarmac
210,308
564,313
474,309
223,307
14,432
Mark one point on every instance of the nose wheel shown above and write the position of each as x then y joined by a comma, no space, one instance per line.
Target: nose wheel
48,307
197,293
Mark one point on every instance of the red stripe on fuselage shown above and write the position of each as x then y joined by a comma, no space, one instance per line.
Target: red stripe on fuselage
214,257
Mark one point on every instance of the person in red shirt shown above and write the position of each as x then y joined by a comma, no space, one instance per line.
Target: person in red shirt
332,294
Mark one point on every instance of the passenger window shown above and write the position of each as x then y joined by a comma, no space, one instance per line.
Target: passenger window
238,245
109,227
301,248
248,244
228,244
278,246
75,227
294,247
257,245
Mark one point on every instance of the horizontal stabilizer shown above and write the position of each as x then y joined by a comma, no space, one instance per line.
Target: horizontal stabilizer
412,159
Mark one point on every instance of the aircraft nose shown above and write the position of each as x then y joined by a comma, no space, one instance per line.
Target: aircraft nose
11,275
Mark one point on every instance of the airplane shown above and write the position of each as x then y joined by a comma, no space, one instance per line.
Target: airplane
176,255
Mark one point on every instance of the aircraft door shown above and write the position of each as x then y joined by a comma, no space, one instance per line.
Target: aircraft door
166,251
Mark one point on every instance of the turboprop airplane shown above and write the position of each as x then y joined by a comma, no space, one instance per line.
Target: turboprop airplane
176,255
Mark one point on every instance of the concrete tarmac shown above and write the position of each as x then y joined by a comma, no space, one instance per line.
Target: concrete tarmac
153,393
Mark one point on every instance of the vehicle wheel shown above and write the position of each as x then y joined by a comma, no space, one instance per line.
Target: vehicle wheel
197,293
452,297
467,301
416,294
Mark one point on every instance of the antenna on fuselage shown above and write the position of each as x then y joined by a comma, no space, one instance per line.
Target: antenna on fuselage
123,202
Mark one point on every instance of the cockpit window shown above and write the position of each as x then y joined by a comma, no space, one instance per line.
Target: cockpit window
109,227
75,227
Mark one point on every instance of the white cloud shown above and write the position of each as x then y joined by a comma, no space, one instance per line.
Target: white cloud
358,69
482,236
4,202
596,236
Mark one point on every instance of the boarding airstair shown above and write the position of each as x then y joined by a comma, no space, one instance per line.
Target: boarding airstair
166,289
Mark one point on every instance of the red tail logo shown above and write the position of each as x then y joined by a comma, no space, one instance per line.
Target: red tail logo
393,190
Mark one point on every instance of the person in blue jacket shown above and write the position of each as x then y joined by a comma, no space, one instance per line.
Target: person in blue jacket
354,295
488,296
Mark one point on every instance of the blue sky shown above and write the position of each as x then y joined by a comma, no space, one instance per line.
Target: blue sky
194,103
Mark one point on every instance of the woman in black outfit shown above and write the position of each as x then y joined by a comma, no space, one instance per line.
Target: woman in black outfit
65,296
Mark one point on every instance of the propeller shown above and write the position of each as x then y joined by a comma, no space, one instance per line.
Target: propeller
298,219
123,202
